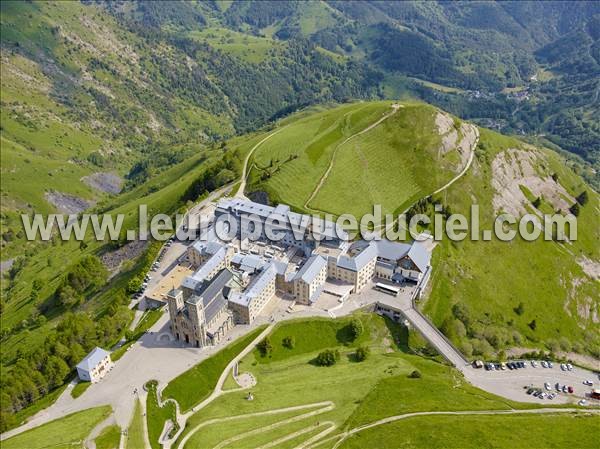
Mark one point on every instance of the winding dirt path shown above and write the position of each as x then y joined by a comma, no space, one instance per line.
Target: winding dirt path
243,179
217,391
395,108
324,406
465,169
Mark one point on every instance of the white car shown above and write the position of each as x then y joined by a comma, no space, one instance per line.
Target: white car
563,367
588,382
543,396
534,363
544,364
583,402
569,367
547,386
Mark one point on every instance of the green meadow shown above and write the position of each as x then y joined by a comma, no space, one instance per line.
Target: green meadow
62,433
343,396
475,432
135,431
109,438
393,164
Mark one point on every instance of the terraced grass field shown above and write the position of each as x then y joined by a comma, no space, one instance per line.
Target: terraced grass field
321,160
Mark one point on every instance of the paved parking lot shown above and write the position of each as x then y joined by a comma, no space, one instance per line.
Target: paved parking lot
510,384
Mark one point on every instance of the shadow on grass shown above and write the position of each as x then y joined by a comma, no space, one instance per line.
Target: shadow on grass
344,335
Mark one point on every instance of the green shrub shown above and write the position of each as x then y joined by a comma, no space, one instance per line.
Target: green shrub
356,328
362,353
265,347
416,374
289,342
327,358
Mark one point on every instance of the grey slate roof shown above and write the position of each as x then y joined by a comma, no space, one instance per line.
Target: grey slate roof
282,212
207,248
211,293
258,284
91,360
387,249
311,268
357,262
420,256
280,267
384,249
193,282
248,262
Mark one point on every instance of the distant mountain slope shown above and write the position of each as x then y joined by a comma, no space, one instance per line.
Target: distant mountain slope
88,93
518,67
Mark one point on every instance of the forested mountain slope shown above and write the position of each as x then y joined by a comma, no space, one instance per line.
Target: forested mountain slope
92,104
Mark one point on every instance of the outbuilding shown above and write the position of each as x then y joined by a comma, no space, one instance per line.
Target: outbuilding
95,365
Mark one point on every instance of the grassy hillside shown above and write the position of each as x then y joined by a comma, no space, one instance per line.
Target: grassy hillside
394,163
553,281
398,162
469,432
360,392
64,432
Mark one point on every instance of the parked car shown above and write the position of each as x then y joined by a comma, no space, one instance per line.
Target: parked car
510,366
543,395
551,396
557,386
536,393
583,402
588,382
522,365
550,364
564,389
503,366
534,363
570,389
547,386
544,364
563,367
530,390
569,367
